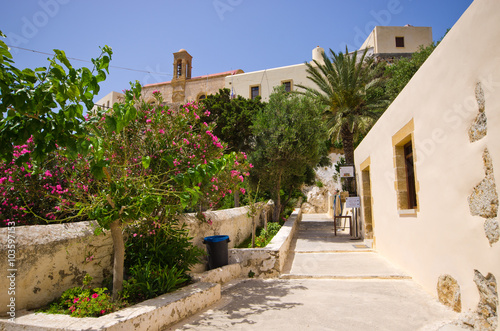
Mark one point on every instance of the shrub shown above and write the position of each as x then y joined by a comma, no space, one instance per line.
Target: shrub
85,301
157,259
266,235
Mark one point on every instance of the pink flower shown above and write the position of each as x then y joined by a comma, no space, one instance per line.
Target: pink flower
242,190
148,120
75,300
95,295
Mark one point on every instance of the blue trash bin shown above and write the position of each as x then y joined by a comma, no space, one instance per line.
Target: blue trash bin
217,251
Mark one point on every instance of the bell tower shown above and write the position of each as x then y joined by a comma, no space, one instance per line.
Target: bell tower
182,71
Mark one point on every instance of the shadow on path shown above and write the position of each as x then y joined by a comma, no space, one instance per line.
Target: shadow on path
242,304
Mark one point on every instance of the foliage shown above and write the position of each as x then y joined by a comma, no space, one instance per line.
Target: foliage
140,161
233,118
265,236
289,143
149,280
167,244
157,259
403,70
85,302
46,104
22,186
351,89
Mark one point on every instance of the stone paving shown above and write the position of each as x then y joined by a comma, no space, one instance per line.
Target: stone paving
329,283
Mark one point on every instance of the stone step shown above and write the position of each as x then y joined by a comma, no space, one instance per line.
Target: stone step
298,276
348,265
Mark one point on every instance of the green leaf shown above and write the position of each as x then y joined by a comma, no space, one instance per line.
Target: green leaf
61,56
146,160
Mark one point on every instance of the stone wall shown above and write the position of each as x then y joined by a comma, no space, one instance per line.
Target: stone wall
234,223
52,258
268,261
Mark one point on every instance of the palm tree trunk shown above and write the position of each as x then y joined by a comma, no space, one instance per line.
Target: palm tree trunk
119,257
348,142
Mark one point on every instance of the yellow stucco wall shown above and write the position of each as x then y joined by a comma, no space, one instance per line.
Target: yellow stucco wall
443,237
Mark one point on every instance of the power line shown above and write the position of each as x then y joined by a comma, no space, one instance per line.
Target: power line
75,59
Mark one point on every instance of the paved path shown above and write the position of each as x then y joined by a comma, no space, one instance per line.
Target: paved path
329,283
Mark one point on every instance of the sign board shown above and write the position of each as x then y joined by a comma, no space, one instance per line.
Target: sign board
353,202
346,171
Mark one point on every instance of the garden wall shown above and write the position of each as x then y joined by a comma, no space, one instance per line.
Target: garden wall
48,260
234,223
268,261
52,258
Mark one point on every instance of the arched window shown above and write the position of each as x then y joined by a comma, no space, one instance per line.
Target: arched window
202,96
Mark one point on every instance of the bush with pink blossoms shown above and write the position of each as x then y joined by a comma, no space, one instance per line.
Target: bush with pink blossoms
31,195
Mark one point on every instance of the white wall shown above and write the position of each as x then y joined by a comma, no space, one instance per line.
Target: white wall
267,79
443,237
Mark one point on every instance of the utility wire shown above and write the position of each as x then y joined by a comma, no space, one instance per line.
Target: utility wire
75,59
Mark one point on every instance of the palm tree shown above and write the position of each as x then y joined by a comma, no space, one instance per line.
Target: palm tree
345,85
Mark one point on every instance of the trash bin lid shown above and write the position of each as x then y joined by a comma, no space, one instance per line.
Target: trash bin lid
215,239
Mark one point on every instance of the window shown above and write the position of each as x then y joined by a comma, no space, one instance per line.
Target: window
410,176
288,85
202,96
406,183
367,198
179,68
400,41
254,91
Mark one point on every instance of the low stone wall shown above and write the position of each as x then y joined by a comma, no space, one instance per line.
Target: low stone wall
48,260
270,260
234,223
153,314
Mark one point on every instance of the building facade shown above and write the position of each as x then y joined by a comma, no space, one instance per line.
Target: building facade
428,170
384,42
183,87
109,100
389,42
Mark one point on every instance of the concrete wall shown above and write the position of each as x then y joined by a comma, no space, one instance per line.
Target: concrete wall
451,112
52,258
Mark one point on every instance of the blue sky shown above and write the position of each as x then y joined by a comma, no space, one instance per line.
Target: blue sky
221,35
